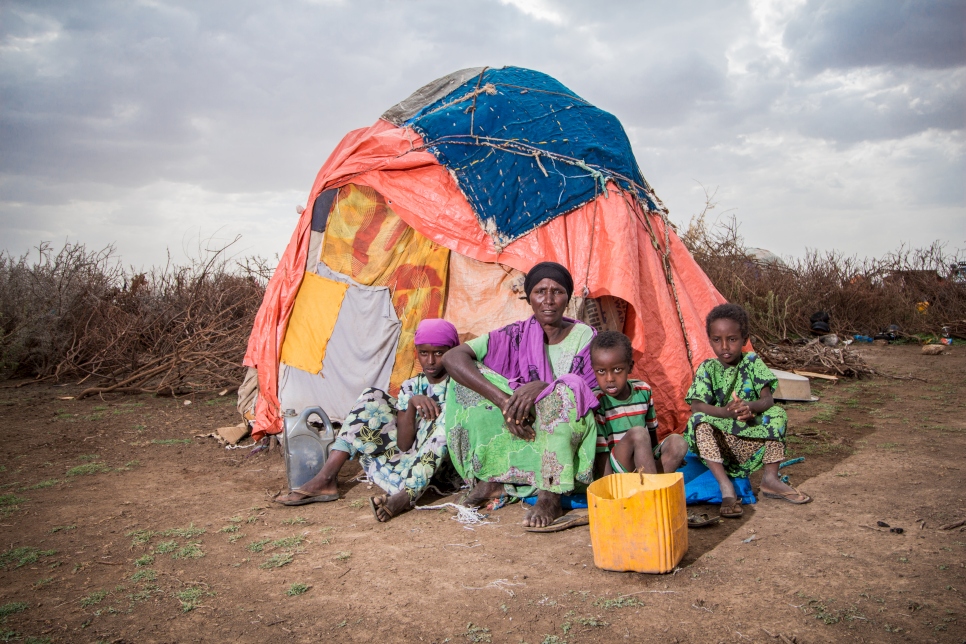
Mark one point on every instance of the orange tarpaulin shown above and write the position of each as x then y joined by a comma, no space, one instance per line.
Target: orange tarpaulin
610,245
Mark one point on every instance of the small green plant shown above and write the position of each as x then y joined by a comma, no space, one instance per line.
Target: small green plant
592,621
618,602
145,560
297,589
235,519
165,547
289,542
358,503
553,639
190,598
10,503
277,560
185,533
189,551
12,609
44,484
478,634
22,556
235,537
295,521
88,457
40,583
343,555
145,574
130,465
139,537
170,441
251,519
88,469
62,528
258,546
93,599
229,528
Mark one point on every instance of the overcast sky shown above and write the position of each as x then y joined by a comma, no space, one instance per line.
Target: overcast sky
834,124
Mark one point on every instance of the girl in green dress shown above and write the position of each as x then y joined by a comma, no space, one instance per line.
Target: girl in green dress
736,427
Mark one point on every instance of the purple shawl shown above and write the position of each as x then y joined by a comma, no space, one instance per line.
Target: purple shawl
517,353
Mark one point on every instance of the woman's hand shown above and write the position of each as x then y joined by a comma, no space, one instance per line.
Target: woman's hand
426,408
519,410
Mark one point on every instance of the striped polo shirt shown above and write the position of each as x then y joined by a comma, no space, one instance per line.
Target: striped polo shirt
615,417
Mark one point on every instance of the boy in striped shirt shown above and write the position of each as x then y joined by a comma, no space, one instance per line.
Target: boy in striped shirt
626,420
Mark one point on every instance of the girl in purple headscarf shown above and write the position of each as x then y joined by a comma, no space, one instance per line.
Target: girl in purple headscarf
519,403
400,442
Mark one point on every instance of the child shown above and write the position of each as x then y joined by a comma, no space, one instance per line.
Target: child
735,426
626,420
401,443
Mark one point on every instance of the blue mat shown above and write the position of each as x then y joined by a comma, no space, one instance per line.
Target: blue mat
699,487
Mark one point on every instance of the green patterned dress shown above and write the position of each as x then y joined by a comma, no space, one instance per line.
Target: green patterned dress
559,459
714,384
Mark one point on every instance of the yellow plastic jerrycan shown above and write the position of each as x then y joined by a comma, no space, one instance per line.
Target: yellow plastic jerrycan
638,522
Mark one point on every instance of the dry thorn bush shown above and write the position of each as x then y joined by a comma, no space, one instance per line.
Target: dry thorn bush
862,296
77,313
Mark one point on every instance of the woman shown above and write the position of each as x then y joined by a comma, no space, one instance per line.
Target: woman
519,404
400,442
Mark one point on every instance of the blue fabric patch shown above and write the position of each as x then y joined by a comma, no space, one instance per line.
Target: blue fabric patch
699,487
489,130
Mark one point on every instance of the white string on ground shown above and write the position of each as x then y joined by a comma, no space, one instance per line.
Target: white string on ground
241,446
500,584
466,516
362,478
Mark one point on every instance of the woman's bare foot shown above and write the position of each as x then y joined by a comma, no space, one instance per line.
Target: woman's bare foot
546,511
482,492
387,507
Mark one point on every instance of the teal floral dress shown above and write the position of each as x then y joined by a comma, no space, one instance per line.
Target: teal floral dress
715,384
369,434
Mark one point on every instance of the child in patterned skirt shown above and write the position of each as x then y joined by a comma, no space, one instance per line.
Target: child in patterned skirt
736,427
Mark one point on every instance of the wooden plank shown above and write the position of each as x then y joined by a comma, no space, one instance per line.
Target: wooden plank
809,374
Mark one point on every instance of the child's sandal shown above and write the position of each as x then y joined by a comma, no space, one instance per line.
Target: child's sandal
731,508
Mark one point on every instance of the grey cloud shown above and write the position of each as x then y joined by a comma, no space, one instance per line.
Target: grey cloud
218,114
837,34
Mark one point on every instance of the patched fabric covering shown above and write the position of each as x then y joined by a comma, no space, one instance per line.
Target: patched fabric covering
525,149
367,241
313,319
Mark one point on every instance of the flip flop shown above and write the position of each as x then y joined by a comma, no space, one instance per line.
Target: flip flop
731,508
563,523
308,498
701,520
788,497
375,508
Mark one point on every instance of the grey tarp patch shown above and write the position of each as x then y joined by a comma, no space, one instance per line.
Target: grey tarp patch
428,94
360,353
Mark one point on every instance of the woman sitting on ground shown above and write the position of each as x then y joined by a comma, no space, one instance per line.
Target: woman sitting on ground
400,443
519,404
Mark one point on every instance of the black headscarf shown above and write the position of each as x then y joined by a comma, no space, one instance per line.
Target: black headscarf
554,271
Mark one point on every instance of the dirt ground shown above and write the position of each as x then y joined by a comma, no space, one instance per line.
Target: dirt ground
118,525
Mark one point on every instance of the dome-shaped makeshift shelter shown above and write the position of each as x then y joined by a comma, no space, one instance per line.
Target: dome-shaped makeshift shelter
437,209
